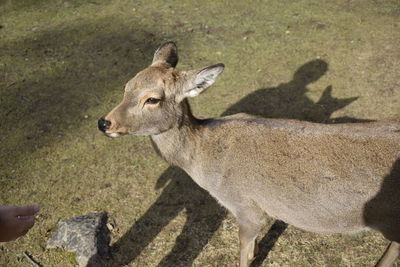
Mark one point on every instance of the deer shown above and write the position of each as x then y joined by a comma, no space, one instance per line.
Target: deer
323,178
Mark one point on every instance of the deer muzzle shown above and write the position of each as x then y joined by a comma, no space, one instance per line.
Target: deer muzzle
103,125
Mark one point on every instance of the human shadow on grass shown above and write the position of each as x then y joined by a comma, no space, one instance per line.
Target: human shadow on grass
289,100
204,214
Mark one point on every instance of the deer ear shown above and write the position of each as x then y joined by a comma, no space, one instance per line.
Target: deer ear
166,53
198,81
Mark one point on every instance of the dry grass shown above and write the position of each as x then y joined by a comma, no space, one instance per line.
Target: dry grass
63,65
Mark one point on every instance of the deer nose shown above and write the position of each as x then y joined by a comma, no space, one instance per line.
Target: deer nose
104,124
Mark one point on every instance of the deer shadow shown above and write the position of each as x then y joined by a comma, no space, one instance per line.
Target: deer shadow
204,214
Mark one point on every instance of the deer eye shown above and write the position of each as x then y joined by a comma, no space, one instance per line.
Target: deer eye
152,101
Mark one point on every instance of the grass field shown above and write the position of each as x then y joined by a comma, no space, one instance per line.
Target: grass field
63,64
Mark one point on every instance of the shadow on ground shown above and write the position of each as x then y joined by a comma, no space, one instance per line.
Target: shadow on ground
58,76
204,214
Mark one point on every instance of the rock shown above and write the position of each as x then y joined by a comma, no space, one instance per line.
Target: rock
87,235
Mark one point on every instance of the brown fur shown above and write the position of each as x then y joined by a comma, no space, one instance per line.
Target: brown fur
321,178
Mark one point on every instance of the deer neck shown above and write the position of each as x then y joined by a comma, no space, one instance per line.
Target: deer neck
177,145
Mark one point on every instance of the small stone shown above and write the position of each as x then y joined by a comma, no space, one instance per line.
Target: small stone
287,32
86,116
87,235
110,226
219,53
245,38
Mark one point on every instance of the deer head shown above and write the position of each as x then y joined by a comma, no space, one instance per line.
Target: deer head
154,99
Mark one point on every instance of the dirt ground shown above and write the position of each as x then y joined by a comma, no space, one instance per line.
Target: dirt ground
63,64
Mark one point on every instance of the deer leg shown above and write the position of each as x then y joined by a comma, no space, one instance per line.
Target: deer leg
390,255
256,249
247,235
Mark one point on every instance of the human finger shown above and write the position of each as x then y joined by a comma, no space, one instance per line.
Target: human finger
26,210
26,222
